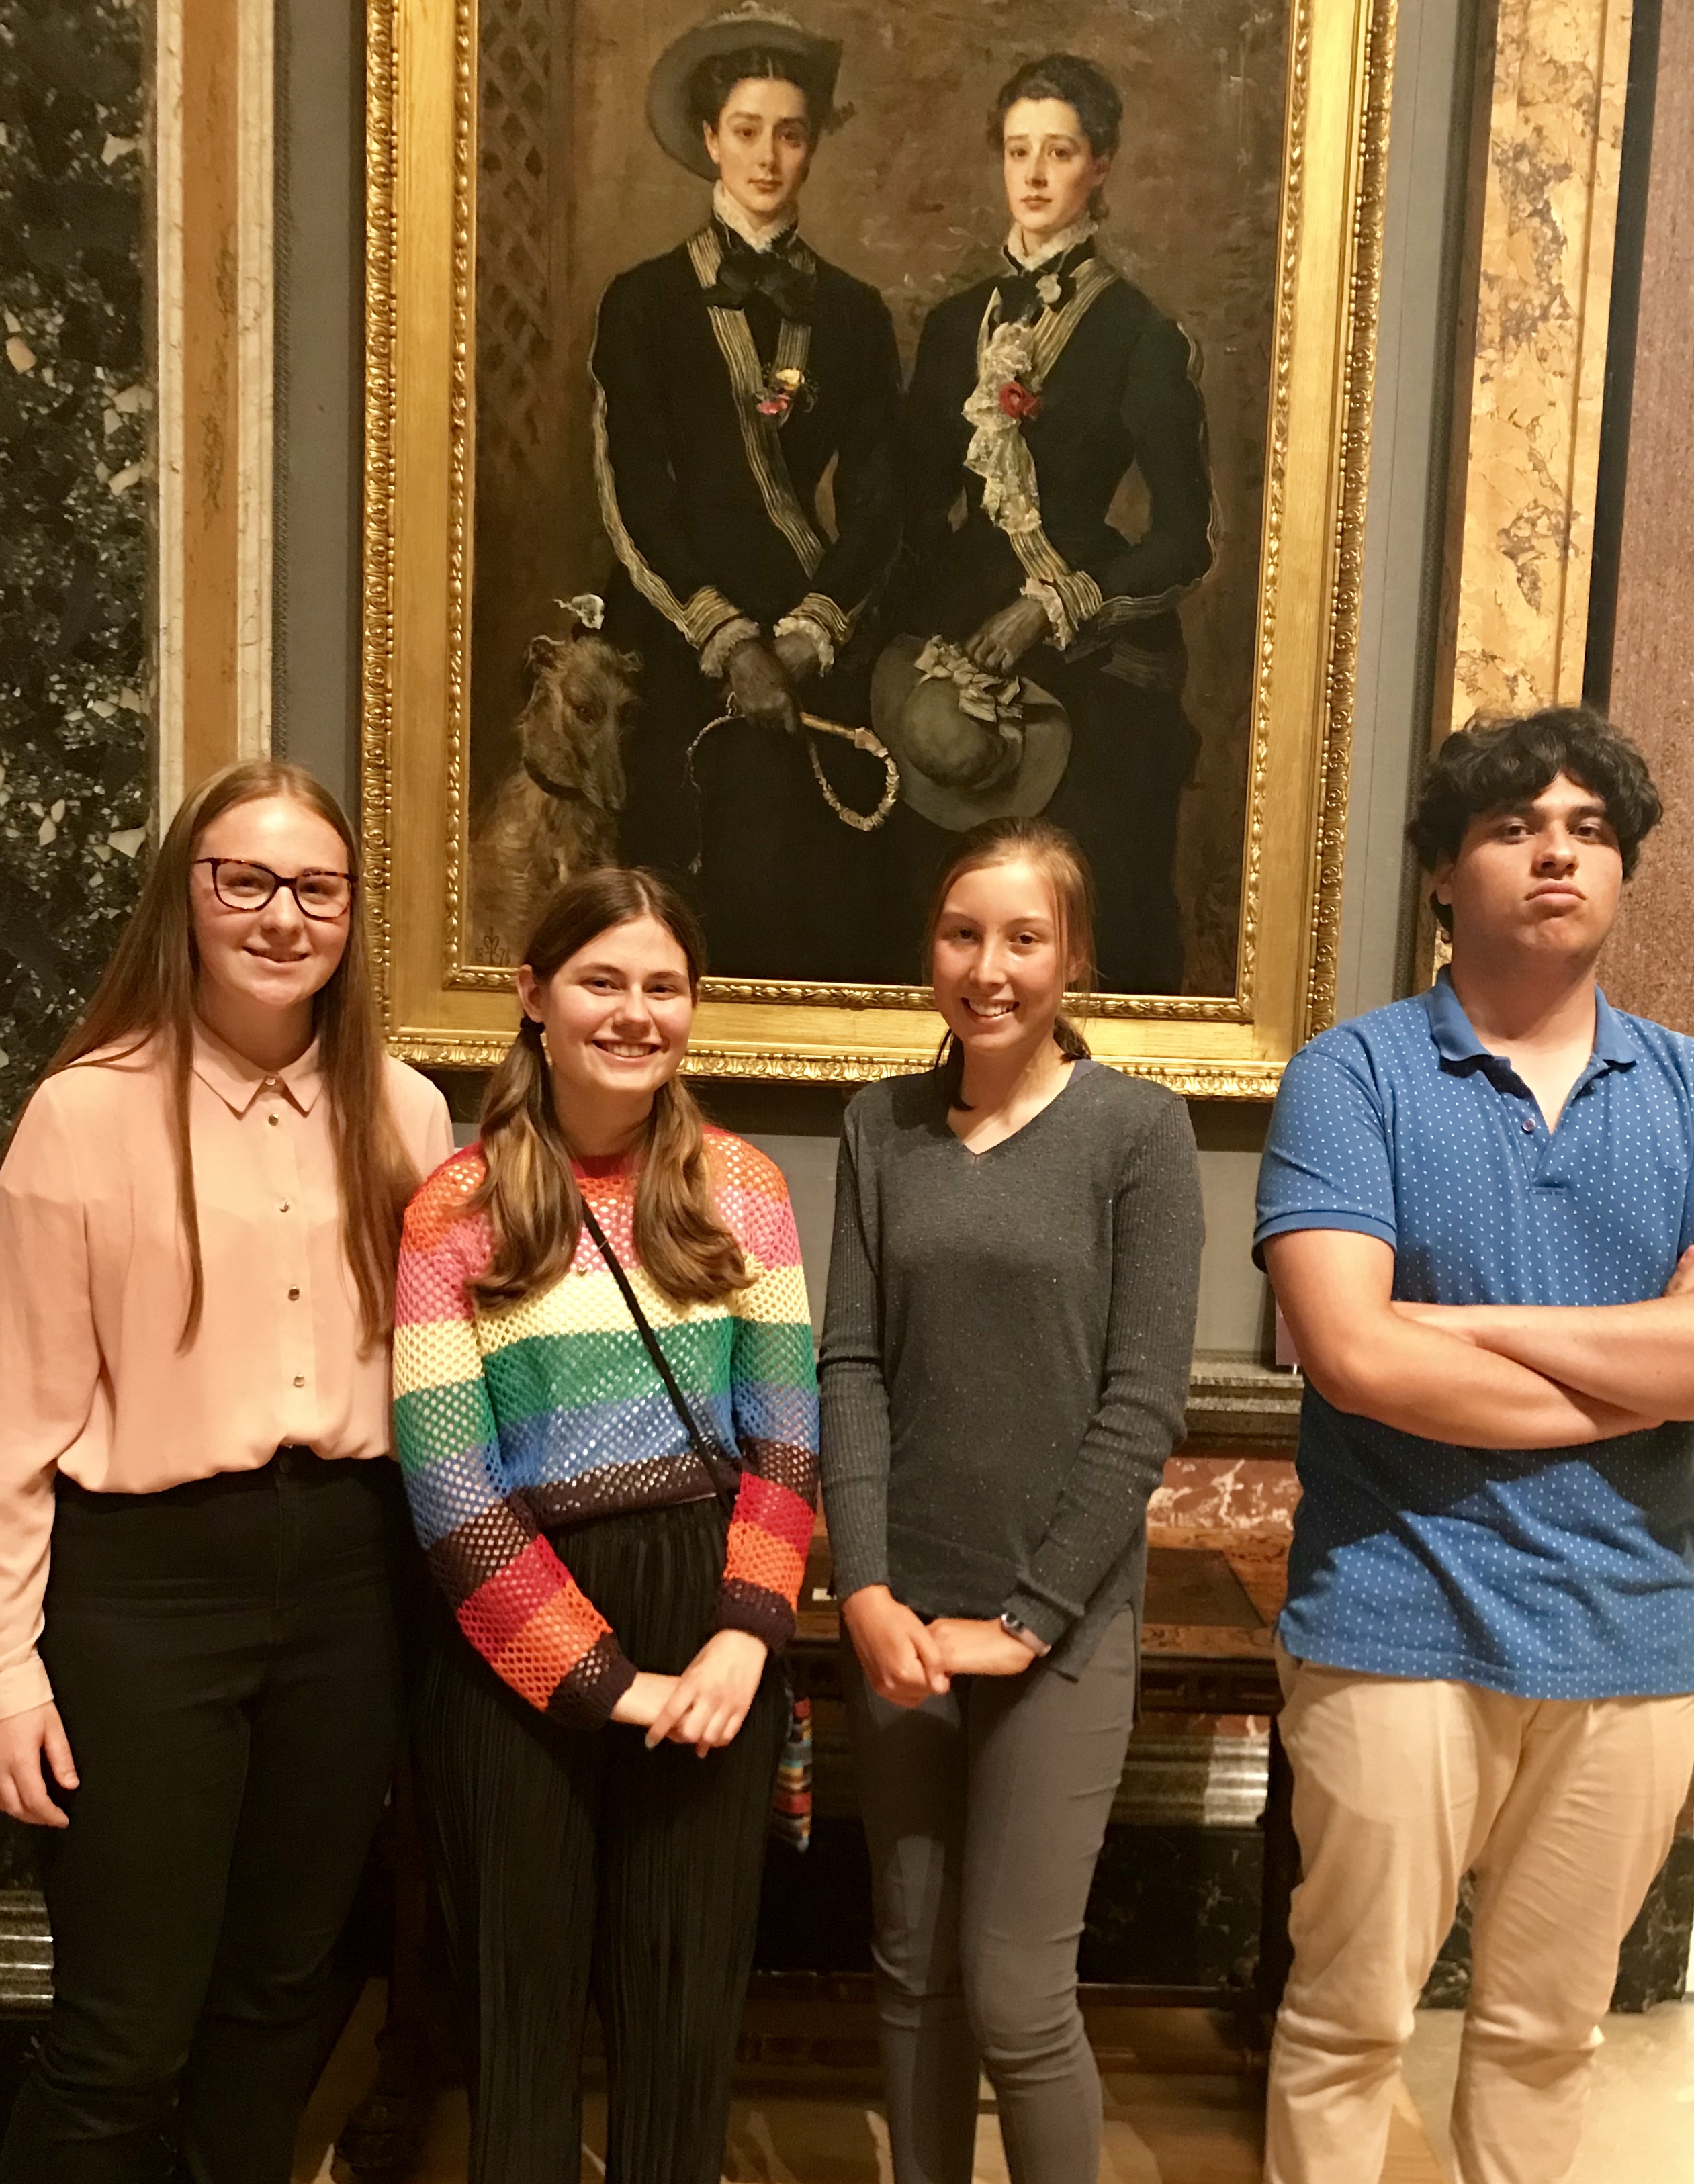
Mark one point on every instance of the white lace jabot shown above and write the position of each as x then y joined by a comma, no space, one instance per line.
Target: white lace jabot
1053,247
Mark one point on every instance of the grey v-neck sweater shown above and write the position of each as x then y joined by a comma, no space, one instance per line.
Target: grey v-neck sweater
1005,1351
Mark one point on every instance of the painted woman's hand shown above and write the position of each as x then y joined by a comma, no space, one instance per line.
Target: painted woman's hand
759,686
710,1701
26,1741
973,1648
896,1649
1007,635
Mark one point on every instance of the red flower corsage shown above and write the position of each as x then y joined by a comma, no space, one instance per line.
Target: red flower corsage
783,391
1018,400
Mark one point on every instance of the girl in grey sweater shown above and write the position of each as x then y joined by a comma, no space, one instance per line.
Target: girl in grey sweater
1005,1355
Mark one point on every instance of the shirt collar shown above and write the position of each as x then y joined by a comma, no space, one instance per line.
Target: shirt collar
238,1081
1614,1043
1615,1046
756,234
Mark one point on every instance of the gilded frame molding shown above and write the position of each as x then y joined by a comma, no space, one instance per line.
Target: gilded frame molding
419,409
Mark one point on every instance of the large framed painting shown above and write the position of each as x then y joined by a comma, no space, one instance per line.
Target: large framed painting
797,434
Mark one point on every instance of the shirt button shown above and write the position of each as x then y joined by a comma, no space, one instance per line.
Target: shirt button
274,1120
299,1380
271,1083
283,1207
1528,1126
293,1296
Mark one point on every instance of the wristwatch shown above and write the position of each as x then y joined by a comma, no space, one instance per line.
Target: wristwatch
1021,1631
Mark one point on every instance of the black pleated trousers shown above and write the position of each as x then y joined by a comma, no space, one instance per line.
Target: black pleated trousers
226,1659
574,1864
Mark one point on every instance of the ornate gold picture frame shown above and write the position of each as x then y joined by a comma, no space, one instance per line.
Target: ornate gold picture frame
429,93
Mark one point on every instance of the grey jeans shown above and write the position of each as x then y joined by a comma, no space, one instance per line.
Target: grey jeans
985,1811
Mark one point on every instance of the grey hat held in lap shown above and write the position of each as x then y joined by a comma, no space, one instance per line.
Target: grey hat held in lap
970,746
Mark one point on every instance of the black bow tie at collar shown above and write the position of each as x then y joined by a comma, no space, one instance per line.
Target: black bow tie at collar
1027,291
770,273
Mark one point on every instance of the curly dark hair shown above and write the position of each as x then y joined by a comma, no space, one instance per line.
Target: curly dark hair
1080,84
1491,765
716,76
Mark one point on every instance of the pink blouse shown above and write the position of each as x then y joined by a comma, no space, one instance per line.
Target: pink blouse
94,1287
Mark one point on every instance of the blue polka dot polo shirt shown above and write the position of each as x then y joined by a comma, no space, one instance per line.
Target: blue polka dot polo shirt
1549,1573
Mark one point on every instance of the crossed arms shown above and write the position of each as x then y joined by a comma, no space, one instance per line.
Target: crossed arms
1485,1376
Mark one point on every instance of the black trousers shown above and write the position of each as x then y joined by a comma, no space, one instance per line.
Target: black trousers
578,1863
225,1657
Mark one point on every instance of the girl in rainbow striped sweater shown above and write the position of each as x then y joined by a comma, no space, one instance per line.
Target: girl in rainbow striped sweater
593,1576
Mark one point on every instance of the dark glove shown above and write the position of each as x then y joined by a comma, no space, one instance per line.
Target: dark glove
798,656
1007,635
759,686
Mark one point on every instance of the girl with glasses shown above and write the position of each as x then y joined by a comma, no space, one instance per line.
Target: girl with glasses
199,1677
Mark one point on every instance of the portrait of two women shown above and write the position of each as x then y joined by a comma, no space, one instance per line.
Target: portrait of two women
890,474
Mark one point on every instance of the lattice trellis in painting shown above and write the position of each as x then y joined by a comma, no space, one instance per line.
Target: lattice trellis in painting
516,62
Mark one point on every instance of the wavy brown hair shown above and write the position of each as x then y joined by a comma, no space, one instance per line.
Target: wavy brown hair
148,993
529,1194
1495,763
1061,864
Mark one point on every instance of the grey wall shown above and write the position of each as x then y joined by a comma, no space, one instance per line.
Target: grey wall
1410,438
320,359
1405,519
1404,516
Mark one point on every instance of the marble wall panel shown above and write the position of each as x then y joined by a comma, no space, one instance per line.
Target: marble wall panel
1555,132
1649,965
1207,1491
75,473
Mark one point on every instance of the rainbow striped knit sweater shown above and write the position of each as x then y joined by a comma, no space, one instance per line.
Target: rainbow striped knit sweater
527,1416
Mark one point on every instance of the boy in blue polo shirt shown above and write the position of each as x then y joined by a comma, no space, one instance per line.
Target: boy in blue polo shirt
1473,1205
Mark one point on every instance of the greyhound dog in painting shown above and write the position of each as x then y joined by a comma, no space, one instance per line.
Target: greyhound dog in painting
556,811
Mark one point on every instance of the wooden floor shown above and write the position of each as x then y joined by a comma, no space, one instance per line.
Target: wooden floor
1183,2106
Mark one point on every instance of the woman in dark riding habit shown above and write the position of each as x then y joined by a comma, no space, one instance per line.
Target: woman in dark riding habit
1035,392
730,375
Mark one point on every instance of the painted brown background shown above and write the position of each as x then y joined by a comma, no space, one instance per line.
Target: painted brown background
906,194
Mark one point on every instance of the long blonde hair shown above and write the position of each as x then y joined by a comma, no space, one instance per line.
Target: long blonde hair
529,1194
148,992
1061,864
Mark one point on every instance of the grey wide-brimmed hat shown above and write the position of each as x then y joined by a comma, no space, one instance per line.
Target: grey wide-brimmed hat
969,746
752,24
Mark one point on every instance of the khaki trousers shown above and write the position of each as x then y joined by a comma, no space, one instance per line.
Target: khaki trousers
1564,1810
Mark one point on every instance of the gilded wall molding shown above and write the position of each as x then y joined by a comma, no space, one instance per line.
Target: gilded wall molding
445,1007
170,396
1364,281
377,648
256,355
214,276
707,1058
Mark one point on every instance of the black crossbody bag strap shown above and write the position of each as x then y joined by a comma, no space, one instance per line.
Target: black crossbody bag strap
724,1469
